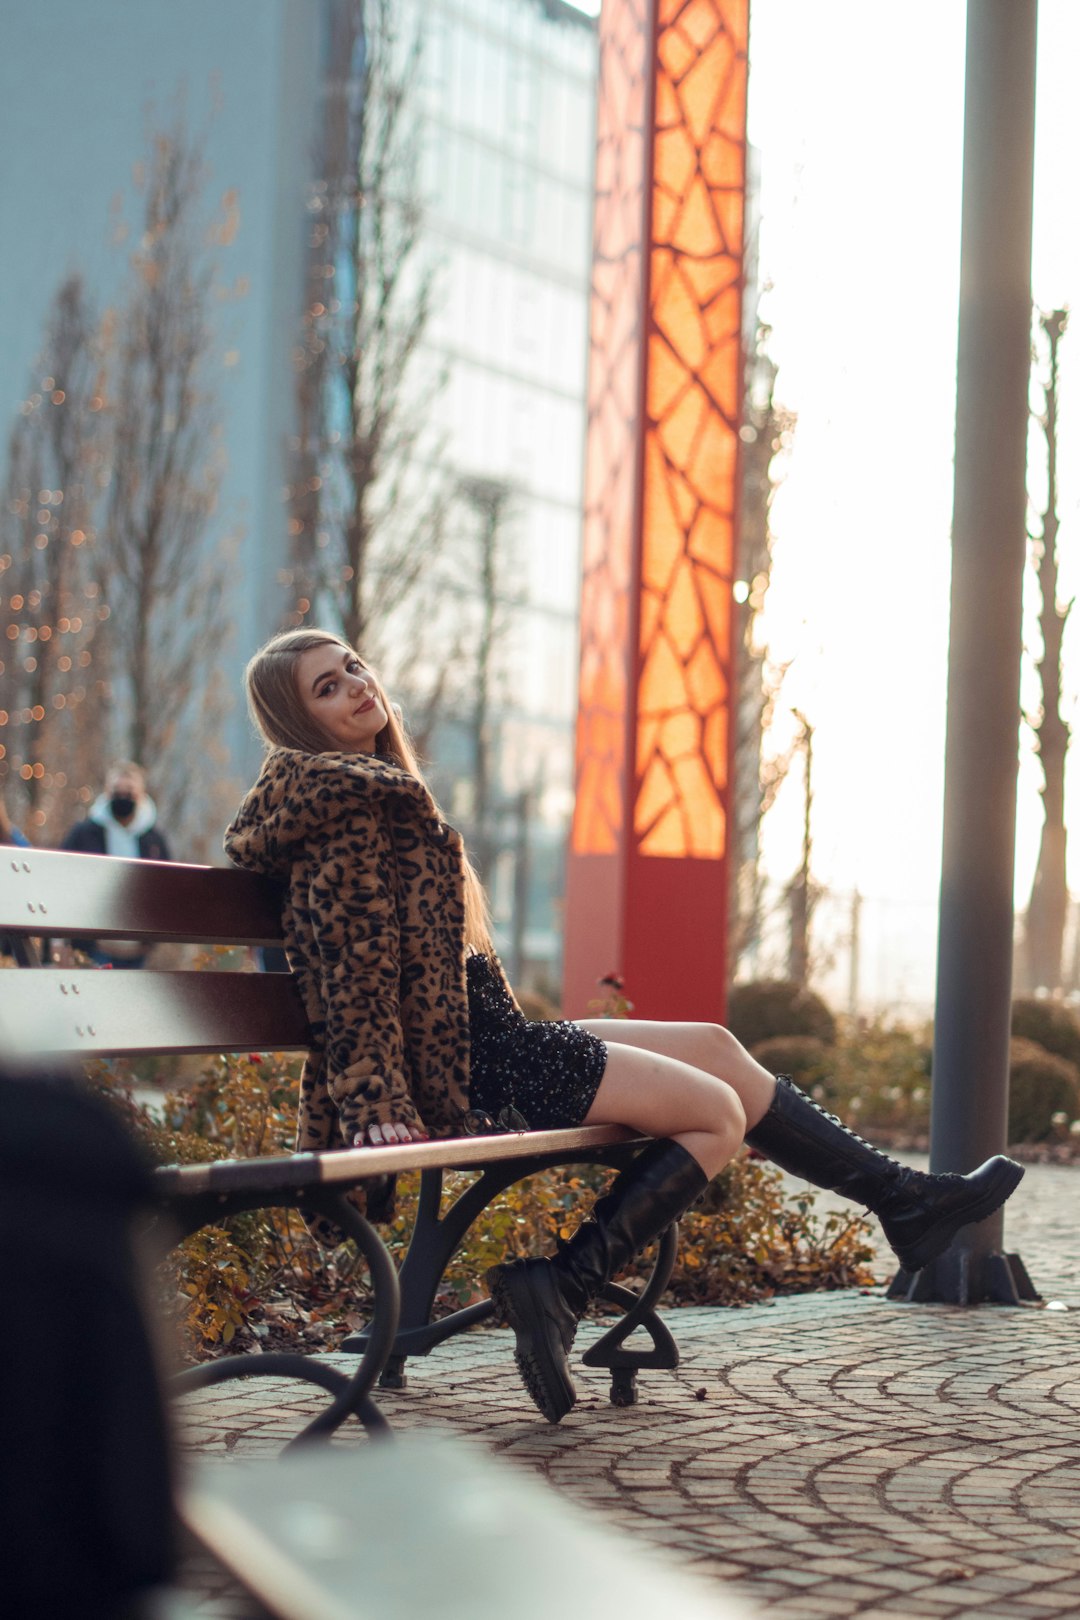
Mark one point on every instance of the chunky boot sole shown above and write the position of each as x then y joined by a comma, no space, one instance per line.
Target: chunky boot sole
541,1372
1003,1178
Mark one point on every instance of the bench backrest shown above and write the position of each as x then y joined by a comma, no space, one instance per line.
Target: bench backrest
51,1015
56,1012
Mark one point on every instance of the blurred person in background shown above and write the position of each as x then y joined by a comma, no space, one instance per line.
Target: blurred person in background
9,833
121,821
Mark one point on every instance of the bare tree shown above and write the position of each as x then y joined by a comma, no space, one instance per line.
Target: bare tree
368,500
1048,906
54,668
333,207
166,568
489,499
801,891
758,776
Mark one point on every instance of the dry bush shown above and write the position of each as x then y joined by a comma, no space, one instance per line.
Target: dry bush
766,1007
803,1058
1041,1084
1050,1024
879,1081
258,1278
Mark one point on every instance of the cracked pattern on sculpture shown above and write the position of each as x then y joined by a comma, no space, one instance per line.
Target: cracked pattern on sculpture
686,428
693,397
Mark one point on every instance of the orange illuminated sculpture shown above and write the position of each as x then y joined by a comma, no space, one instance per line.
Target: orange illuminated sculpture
647,875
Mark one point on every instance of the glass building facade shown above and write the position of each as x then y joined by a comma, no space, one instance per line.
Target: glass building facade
508,93
503,92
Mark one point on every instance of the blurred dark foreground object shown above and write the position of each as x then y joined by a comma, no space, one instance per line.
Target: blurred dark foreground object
85,1476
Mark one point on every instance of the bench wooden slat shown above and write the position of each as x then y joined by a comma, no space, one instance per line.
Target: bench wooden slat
88,1012
349,1165
104,897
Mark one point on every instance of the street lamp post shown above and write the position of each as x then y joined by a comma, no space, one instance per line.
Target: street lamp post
974,986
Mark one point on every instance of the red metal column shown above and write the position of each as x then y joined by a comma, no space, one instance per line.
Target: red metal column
647,876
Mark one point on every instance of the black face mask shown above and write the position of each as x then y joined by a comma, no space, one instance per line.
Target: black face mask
122,805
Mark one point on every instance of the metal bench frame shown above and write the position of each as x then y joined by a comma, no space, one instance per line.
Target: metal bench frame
62,1015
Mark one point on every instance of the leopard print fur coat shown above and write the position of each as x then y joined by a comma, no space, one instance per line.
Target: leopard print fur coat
374,923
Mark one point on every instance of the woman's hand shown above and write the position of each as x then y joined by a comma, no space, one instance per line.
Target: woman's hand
389,1135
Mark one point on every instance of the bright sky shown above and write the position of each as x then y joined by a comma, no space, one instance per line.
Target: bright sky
856,107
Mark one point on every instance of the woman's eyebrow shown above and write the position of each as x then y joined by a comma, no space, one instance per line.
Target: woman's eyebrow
327,673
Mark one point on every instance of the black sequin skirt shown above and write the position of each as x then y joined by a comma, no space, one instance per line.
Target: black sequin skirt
548,1071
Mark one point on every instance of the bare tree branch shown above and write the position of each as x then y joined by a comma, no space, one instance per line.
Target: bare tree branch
168,570
53,654
758,776
1048,906
368,498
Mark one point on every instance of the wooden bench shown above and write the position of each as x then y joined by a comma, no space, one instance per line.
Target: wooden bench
53,1016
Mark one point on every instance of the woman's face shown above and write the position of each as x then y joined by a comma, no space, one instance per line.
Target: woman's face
342,697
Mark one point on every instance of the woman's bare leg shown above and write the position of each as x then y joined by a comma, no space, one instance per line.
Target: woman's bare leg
919,1213
697,1123
708,1048
663,1096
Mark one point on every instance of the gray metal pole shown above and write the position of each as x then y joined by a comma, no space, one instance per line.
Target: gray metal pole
974,984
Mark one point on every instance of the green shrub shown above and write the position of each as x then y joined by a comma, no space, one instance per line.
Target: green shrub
768,1007
807,1060
1050,1024
879,1080
1041,1084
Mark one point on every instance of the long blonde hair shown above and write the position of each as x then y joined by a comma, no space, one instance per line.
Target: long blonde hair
282,721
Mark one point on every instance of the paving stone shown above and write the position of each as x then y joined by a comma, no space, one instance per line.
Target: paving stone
852,1458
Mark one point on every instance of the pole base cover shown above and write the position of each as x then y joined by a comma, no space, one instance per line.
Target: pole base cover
961,1277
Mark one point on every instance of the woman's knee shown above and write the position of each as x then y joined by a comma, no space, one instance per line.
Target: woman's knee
728,1043
720,1113
718,1050
730,1120
717,1137
665,1096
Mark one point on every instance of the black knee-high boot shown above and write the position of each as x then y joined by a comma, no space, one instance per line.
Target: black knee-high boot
542,1300
920,1214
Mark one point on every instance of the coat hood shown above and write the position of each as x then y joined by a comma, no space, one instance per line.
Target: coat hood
299,797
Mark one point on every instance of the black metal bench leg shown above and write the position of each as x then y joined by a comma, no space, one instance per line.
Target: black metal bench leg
624,1386
351,1392
436,1238
393,1374
382,1330
609,1350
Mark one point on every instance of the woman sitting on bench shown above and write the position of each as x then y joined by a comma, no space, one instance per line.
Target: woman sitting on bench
386,928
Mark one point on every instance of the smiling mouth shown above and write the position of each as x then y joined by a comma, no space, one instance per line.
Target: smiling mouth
364,707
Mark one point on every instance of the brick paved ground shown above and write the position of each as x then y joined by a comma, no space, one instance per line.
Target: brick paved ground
831,1455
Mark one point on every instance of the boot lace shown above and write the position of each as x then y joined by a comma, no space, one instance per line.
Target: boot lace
910,1175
